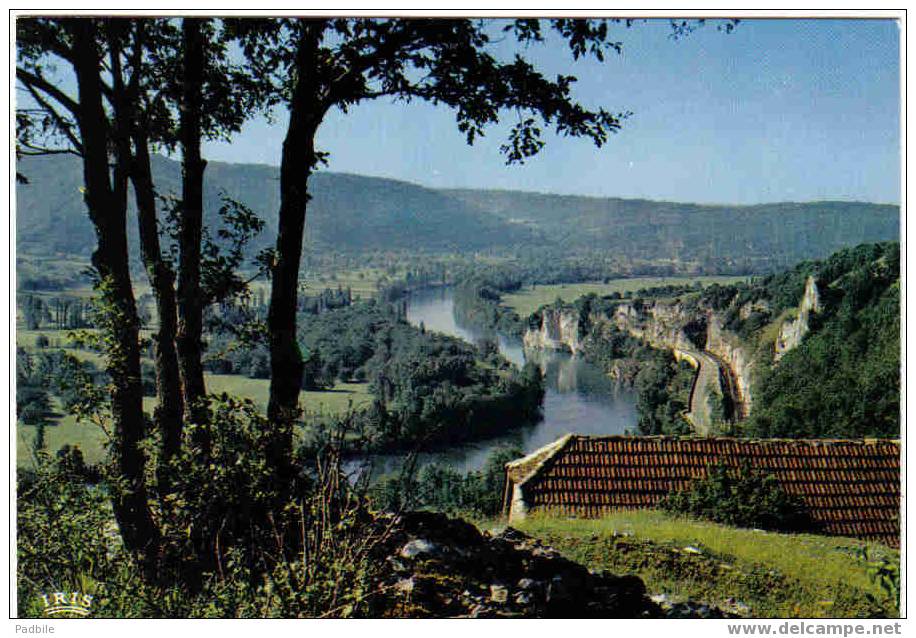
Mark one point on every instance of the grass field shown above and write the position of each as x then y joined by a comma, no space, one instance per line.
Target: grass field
530,298
64,428
337,400
775,575
362,282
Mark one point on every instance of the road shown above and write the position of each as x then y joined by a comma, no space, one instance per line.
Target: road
712,372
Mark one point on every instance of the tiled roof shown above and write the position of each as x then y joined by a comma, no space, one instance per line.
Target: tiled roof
850,487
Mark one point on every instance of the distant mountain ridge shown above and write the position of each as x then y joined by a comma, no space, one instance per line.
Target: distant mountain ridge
354,213
347,212
777,234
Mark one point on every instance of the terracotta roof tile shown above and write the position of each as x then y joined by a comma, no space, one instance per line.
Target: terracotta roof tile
850,487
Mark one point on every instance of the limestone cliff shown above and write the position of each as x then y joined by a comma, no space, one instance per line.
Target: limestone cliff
738,360
794,330
724,366
558,330
660,324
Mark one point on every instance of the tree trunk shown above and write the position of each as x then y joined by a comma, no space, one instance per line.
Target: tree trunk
168,415
108,213
298,161
190,303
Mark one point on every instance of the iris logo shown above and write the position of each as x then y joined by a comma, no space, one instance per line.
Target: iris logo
59,603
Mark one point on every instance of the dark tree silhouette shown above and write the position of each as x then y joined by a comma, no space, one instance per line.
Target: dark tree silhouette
317,65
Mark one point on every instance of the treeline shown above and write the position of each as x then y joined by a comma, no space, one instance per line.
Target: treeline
234,342
478,303
476,494
48,381
429,389
59,313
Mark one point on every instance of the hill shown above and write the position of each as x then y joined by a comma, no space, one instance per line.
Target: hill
843,377
348,213
354,214
758,237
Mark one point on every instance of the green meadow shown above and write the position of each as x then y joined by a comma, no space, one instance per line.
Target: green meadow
530,298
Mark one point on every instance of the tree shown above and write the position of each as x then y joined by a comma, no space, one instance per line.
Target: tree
85,126
150,83
133,78
320,64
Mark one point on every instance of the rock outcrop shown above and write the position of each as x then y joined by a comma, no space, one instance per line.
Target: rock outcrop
794,330
738,362
724,364
439,567
665,325
659,324
559,330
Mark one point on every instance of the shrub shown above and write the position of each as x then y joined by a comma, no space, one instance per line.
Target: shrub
239,542
746,498
440,488
67,540
884,573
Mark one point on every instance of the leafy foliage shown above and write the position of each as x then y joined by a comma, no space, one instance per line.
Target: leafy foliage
854,343
67,540
478,494
429,388
310,555
662,394
885,574
746,498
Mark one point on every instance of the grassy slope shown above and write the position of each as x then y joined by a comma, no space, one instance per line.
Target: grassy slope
775,575
531,298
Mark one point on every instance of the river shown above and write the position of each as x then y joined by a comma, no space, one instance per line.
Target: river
578,397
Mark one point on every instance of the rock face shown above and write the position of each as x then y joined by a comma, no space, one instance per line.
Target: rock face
793,331
439,567
725,365
738,360
559,330
660,324
664,325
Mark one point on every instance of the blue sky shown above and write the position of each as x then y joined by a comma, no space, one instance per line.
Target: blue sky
778,110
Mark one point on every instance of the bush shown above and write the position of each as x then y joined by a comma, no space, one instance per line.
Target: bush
67,540
440,488
239,542
746,498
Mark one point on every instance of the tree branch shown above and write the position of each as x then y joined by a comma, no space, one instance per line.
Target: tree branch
34,150
59,119
34,81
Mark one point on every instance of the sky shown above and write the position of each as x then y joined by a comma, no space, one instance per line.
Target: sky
777,110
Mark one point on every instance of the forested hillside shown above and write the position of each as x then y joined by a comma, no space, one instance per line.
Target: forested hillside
352,213
756,238
843,380
348,212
